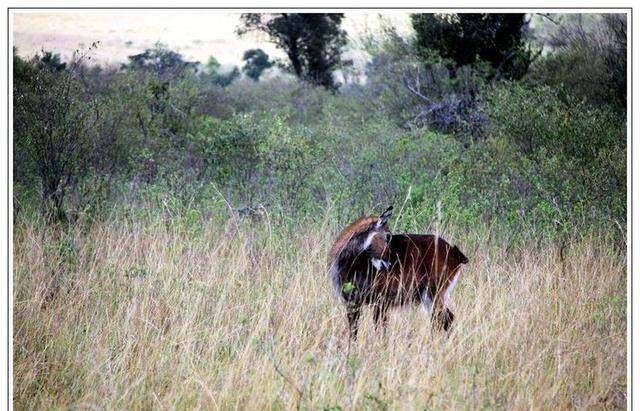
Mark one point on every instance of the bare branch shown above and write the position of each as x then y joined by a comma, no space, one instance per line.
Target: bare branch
548,17
416,93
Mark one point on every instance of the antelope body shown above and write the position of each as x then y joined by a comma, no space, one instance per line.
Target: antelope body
369,265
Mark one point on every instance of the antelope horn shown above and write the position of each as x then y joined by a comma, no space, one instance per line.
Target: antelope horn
384,216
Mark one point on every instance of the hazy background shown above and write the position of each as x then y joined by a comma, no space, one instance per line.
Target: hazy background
195,34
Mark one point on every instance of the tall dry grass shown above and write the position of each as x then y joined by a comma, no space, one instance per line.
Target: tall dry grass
139,315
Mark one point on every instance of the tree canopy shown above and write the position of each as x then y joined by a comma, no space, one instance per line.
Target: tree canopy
161,61
256,61
217,75
470,38
313,42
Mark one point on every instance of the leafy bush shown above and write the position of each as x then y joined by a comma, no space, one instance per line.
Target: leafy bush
54,121
257,158
419,88
588,59
572,156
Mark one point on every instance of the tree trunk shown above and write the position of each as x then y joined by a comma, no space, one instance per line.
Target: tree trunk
294,56
52,197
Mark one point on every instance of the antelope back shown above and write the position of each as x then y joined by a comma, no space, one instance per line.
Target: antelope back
424,260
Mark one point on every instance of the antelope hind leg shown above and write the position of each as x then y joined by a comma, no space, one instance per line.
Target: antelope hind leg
443,319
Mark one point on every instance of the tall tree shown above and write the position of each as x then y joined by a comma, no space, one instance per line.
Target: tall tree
469,38
256,61
313,42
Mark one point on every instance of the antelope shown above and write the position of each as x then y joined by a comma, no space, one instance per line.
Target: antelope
370,266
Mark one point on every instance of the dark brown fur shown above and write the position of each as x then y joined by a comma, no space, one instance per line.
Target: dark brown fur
421,266
416,268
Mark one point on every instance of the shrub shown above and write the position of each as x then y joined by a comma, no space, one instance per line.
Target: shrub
255,159
571,155
419,88
588,59
54,119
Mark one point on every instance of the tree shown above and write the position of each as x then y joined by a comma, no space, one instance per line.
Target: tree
616,56
313,42
159,60
470,38
50,61
217,76
415,92
256,61
54,118
213,65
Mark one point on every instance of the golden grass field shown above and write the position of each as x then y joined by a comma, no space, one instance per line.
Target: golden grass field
140,314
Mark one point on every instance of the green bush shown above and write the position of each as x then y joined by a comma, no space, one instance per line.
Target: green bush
562,154
546,165
587,59
256,159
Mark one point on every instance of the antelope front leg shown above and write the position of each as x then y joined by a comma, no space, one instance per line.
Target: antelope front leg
353,317
380,316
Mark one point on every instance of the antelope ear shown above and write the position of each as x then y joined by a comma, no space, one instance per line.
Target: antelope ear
384,217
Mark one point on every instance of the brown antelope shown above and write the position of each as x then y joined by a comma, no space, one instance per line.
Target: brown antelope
369,265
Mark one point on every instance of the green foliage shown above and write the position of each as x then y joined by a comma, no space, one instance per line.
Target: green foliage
348,287
50,61
588,60
212,65
215,75
161,115
54,121
160,60
542,163
540,118
420,88
256,157
570,158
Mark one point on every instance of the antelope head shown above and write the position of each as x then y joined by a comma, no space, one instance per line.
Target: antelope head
376,239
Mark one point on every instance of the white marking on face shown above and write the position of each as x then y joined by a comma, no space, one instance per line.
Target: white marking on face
452,284
368,241
426,302
379,264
